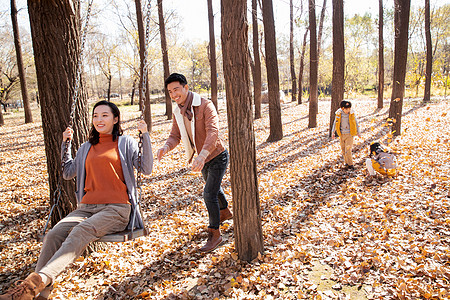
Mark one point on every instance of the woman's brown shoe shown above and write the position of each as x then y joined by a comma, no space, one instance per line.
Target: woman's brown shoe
26,289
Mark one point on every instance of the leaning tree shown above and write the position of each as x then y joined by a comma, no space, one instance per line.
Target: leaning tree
56,45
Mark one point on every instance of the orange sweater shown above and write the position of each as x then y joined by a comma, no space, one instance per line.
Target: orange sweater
104,176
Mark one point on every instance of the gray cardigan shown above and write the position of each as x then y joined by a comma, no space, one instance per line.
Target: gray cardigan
128,151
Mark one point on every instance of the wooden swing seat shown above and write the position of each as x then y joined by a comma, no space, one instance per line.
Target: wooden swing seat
123,236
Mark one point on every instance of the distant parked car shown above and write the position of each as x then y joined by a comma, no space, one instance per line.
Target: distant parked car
114,95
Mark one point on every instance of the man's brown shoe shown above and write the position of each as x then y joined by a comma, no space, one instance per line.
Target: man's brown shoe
225,214
27,289
214,240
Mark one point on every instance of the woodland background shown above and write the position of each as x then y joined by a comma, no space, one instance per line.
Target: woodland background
326,232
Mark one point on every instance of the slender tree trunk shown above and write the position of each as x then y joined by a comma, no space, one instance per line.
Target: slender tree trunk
244,180
133,89
212,55
337,92
2,120
165,55
291,52
429,66
276,126
23,82
313,97
144,98
321,20
257,85
302,67
380,55
56,46
401,20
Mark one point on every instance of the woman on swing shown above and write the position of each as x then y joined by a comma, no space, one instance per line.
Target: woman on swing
106,187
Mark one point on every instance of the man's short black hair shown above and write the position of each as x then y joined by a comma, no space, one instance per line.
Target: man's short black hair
175,77
345,104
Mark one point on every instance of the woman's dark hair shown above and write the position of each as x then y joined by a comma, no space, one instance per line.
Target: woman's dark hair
175,77
94,136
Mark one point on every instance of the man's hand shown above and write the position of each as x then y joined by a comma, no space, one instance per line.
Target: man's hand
198,163
161,152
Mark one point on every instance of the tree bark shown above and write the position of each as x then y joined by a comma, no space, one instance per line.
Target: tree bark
276,126
313,66
429,65
56,46
144,98
319,38
257,85
337,92
401,20
291,52
302,67
23,82
165,56
244,180
212,55
380,55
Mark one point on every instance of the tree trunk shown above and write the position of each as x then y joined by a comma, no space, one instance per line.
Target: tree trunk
291,52
144,98
302,67
2,120
276,126
257,85
244,180
313,105
23,82
165,55
380,55
212,55
321,20
56,46
401,20
337,92
429,66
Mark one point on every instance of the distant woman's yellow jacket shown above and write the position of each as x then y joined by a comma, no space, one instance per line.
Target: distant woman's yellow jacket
352,121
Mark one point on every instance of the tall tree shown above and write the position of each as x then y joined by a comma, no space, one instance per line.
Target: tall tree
401,23
337,93
429,66
244,180
302,67
291,52
321,21
313,66
212,55
380,55
276,126
257,84
56,46
144,91
165,55
20,67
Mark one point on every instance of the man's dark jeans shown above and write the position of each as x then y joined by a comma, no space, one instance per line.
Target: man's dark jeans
213,172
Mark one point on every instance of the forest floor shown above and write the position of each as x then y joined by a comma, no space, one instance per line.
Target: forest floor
329,233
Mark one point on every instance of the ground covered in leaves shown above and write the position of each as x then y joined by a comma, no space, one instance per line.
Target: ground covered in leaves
329,233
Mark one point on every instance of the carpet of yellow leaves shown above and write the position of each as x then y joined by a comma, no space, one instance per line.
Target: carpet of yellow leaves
329,233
